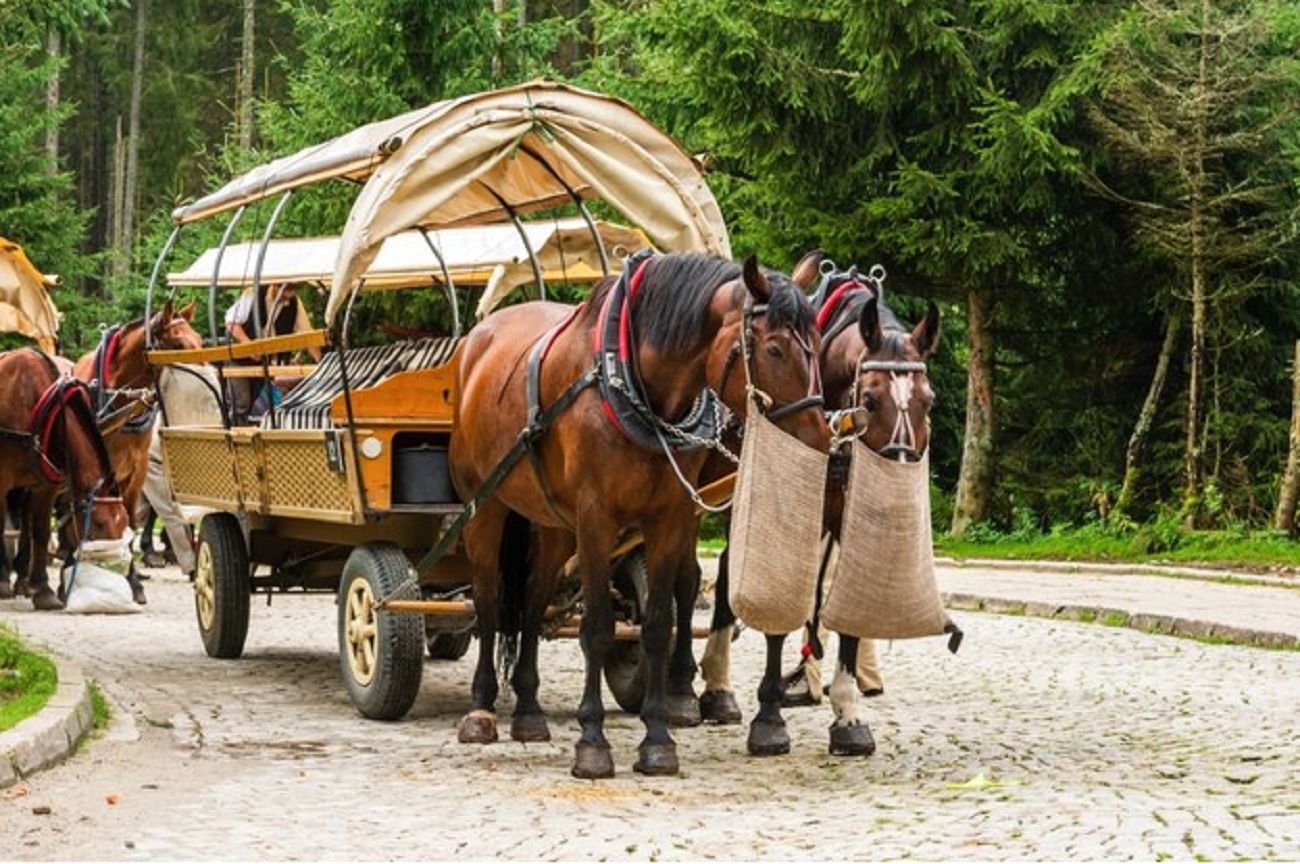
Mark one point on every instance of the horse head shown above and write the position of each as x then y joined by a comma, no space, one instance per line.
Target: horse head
890,393
174,328
768,346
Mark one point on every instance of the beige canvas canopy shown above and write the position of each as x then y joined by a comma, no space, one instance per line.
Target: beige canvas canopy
25,304
521,147
486,255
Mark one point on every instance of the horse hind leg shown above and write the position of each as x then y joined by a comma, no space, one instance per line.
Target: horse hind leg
550,549
483,541
6,589
718,702
767,732
592,756
849,736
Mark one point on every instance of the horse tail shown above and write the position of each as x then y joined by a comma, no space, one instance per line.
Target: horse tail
514,560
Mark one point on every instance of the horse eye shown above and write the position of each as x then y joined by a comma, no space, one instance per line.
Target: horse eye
775,351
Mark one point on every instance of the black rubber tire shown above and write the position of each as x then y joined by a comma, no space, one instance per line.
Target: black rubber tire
222,538
394,681
624,672
449,646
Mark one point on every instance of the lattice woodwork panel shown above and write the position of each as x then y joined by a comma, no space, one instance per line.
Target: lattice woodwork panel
201,467
298,476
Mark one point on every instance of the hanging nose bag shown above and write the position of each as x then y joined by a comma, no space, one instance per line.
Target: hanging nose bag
884,586
776,528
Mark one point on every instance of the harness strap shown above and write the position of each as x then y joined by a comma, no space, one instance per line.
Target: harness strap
540,424
533,430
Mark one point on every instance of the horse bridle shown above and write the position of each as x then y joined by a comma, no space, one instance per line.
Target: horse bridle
746,347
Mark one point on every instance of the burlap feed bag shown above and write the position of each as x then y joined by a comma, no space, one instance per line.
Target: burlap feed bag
883,586
776,528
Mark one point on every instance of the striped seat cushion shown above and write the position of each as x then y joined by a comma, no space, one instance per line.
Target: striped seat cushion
308,405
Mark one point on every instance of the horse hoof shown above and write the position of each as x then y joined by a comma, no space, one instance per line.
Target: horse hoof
528,728
719,707
656,760
853,740
683,710
22,587
478,727
6,590
592,762
137,594
154,559
768,738
45,600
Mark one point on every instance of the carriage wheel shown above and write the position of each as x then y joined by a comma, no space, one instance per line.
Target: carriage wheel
222,587
380,653
449,646
624,672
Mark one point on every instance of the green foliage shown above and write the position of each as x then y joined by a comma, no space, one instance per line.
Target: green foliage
27,681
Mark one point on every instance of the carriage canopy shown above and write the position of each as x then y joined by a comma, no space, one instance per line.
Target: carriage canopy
25,304
485,157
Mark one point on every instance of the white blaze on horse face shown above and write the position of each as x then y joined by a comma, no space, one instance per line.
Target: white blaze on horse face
844,696
715,665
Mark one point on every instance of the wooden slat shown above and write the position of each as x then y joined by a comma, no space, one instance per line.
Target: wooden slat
289,370
240,350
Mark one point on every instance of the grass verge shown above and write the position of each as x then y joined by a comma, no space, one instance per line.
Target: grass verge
1229,549
27,680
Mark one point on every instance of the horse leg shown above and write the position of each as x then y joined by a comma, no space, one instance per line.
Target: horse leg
592,758
849,735
6,589
767,734
718,704
133,578
683,706
669,544
39,507
483,546
551,548
18,505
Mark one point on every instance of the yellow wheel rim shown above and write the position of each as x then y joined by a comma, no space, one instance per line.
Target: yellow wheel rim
205,587
360,627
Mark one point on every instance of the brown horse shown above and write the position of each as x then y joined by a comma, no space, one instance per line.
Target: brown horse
119,363
591,478
48,438
873,367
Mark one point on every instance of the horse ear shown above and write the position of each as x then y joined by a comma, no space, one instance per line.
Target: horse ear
164,315
755,281
808,269
187,312
926,335
869,325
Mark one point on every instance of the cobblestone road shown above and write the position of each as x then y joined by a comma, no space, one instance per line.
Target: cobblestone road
1095,742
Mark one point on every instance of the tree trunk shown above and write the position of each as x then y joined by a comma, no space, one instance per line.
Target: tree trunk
975,482
115,192
1142,429
246,71
131,183
53,47
1286,499
1194,470
499,27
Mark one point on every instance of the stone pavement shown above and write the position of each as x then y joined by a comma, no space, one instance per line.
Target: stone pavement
1187,602
1041,739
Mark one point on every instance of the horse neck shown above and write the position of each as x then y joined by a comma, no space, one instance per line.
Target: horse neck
128,366
672,383
839,368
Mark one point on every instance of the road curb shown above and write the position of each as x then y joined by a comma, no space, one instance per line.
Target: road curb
1210,574
50,735
1165,625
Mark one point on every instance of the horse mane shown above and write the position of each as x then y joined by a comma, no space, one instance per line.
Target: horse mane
671,306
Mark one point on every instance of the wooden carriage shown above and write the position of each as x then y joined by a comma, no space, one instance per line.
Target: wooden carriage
344,484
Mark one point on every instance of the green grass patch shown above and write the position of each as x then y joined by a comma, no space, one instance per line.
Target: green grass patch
99,708
27,680
1155,543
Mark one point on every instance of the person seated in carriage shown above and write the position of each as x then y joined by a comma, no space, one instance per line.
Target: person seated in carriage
282,313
